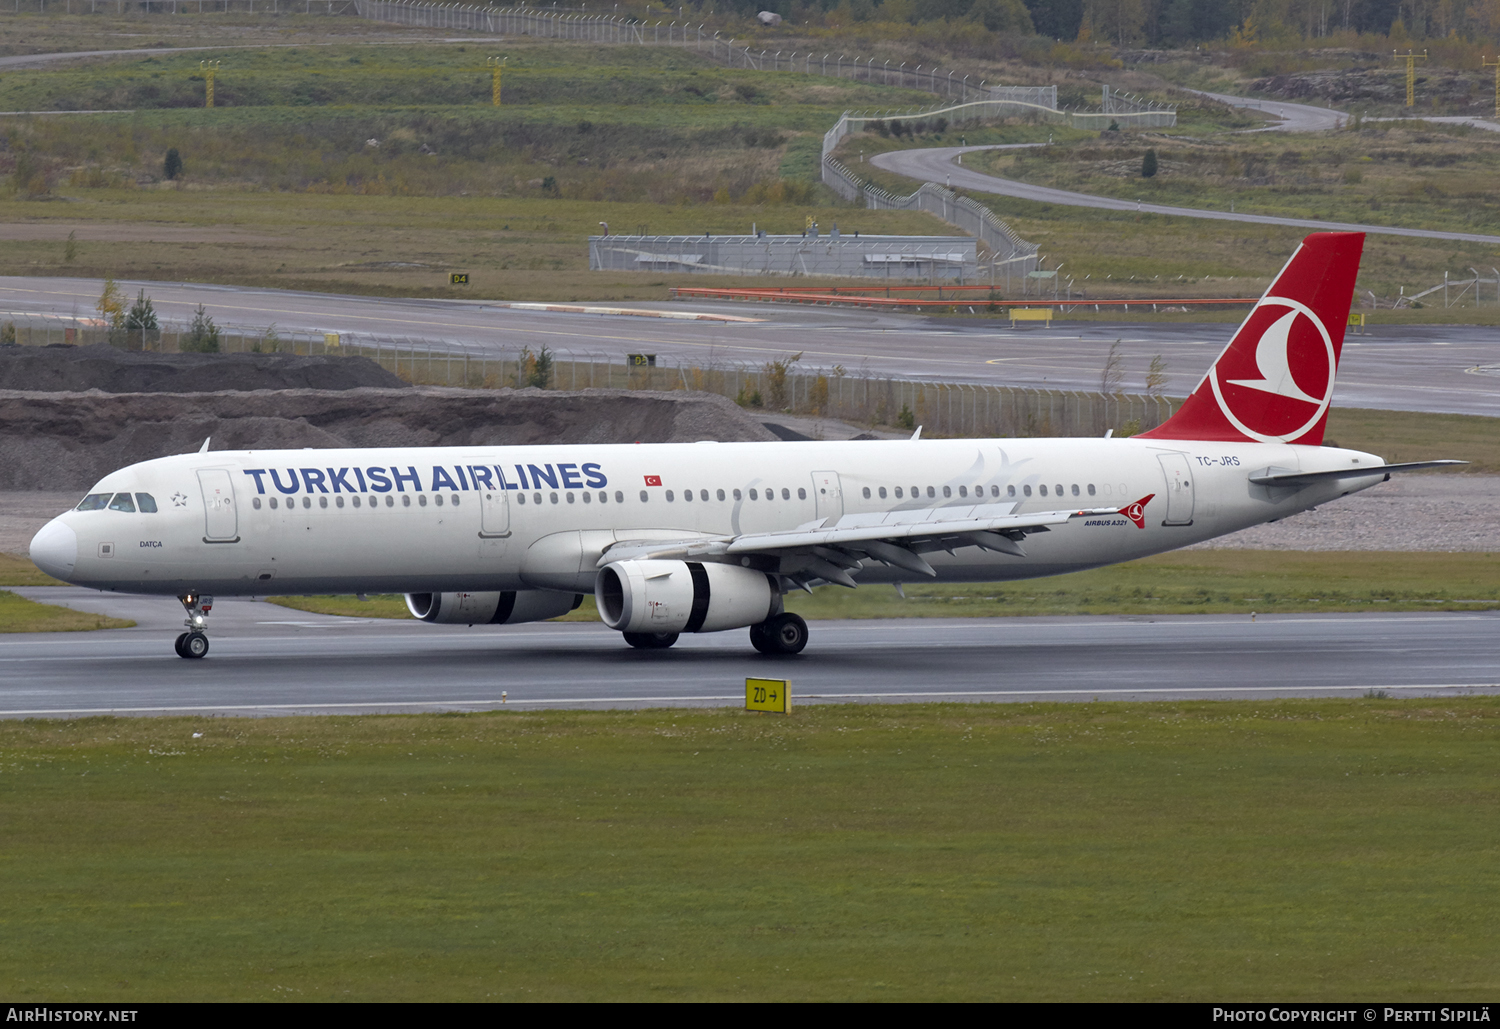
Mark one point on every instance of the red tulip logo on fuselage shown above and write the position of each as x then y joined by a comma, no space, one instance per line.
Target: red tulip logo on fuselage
1282,388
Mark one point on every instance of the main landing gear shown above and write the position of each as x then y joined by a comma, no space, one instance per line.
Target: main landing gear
785,633
194,643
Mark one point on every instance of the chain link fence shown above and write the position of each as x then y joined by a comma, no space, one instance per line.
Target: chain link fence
956,409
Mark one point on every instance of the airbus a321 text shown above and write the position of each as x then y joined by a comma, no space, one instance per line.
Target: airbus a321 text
703,537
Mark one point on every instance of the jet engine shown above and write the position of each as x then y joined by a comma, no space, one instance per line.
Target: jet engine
506,608
682,596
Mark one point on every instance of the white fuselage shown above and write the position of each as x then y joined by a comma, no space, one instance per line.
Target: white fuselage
408,520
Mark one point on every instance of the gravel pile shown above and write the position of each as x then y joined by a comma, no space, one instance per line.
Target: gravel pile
1442,511
68,441
70,369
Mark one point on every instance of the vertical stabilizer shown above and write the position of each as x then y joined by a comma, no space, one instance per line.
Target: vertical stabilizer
1274,381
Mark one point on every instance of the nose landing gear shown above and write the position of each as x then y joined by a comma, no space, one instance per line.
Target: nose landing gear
194,643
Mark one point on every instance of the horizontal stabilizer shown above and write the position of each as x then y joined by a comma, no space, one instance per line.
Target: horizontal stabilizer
1352,472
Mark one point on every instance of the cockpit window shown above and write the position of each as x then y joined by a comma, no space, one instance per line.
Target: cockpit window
93,502
122,502
147,503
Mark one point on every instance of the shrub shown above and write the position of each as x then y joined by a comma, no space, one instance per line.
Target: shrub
8,334
906,419
1148,165
172,166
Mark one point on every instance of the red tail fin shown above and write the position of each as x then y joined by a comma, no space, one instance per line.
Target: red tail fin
1274,381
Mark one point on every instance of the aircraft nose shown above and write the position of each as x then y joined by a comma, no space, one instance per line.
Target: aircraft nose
55,549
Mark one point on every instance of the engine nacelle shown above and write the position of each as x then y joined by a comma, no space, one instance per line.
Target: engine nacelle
682,596
506,608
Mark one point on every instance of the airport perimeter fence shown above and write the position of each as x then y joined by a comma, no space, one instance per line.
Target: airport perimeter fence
955,409
268,7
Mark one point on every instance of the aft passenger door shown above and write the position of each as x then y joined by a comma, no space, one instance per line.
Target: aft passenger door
1179,489
829,495
221,520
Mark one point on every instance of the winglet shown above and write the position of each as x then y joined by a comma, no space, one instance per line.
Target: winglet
204,449
916,435
1137,512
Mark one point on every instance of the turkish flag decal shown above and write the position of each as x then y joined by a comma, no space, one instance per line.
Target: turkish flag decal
653,480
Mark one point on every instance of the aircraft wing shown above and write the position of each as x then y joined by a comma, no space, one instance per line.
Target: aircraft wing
830,549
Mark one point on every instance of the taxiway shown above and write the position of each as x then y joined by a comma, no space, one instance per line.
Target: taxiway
1449,368
270,660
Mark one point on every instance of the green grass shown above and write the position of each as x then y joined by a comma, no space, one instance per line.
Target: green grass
422,74
1232,851
1181,582
19,571
17,614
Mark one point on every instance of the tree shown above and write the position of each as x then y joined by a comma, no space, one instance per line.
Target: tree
1113,373
1148,165
140,323
202,336
172,166
1156,376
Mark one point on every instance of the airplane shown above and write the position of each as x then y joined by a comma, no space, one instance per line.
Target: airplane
706,537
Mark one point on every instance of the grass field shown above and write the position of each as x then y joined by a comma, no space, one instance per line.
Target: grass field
17,614
1288,850
1423,179
1182,582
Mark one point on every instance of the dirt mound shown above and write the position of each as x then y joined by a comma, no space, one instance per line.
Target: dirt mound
68,441
1440,91
76,369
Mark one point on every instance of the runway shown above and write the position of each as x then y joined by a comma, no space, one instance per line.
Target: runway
1449,368
269,660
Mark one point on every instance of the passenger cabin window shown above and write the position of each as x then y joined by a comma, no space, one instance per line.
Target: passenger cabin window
1075,489
146,502
255,503
882,493
703,494
930,492
1027,490
737,495
94,502
645,496
867,492
1042,489
786,494
963,491
322,501
669,496
687,496
122,502
307,501
1091,489
1010,491
754,495
898,492
801,493
720,494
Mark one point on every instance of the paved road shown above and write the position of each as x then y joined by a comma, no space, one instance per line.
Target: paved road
936,164
1425,368
271,660
1292,117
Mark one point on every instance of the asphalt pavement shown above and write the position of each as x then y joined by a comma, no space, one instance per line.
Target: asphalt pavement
270,660
937,164
1450,368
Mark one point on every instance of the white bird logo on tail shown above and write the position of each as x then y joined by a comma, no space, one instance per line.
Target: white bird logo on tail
1273,362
